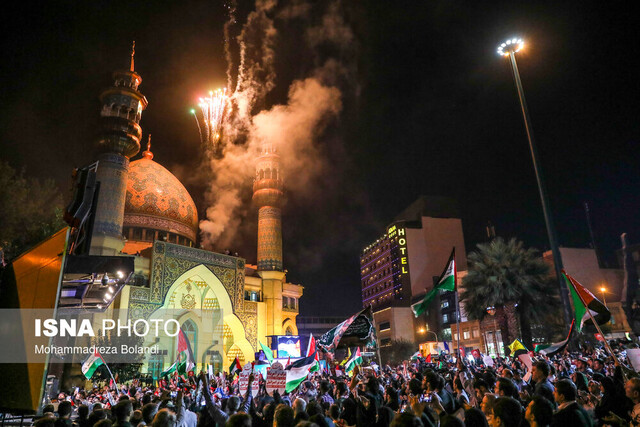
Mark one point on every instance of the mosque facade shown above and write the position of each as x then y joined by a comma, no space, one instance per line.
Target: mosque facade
224,305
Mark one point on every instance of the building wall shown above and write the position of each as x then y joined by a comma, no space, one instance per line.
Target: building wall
429,249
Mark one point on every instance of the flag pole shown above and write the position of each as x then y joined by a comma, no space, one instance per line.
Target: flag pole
455,284
107,366
375,328
606,343
458,321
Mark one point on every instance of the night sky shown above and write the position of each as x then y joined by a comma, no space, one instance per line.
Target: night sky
428,107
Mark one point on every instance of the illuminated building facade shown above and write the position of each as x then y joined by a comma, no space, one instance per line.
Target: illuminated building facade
226,306
402,265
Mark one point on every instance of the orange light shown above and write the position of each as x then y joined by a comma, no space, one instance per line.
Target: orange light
603,289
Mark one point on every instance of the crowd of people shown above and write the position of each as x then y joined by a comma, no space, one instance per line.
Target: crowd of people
586,389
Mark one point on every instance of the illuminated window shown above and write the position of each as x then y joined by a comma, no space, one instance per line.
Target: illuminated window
476,333
445,318
444,304
466,335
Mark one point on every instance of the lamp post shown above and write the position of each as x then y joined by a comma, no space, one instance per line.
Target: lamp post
509,48
492,313
604,300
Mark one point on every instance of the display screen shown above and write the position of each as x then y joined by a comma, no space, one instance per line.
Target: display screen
289,346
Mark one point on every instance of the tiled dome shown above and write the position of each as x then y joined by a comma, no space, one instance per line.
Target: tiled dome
156,199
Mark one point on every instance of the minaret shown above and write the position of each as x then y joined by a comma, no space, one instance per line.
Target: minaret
119,140
268,197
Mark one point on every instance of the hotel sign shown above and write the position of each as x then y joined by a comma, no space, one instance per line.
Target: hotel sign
400,235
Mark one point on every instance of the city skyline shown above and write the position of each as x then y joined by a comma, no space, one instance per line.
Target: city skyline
428,107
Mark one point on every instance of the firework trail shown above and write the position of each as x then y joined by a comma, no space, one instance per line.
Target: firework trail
213,108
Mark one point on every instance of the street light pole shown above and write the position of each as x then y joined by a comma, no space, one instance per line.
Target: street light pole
509,49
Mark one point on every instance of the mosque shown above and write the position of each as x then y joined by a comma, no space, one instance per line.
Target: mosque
224,305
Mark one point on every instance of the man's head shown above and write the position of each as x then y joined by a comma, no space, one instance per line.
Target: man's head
507,412
148,412
64,409
565,391
486,404
540,371
598,365
283,416
233,404
299,405
539,412
83,412
431,381
506,387
481,388
324,387
122,410
239,420
632,389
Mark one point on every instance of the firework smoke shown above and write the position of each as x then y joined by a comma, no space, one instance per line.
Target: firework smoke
295,128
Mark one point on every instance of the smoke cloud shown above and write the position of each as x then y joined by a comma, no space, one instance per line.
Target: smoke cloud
296,127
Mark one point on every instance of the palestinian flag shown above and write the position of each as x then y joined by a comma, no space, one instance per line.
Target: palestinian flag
311,349
583,299
267,352
551,350
355,360
447,282
235,366
184,362
416,355
91,364
297,372
428,359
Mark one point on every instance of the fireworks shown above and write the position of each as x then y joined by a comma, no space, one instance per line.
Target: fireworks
213,109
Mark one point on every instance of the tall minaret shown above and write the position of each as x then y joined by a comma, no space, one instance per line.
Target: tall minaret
119,140
268,197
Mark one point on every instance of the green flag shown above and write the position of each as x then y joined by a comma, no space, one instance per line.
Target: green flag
267,352
446,282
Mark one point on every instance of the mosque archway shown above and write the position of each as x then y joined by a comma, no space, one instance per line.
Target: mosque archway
199,301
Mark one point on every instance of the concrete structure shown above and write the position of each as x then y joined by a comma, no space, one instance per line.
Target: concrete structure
401,266
224,305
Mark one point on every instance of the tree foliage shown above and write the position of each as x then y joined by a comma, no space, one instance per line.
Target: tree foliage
506,275
30,211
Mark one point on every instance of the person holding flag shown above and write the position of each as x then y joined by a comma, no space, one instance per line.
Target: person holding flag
184,362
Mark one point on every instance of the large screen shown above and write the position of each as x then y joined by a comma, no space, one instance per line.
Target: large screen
289,346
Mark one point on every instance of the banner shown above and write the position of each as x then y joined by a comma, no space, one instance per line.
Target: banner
356,331
276,379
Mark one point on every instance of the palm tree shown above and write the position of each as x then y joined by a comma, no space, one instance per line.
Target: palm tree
505,274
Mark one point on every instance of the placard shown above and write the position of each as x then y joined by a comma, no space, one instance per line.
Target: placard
276,379
633,355
243,381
